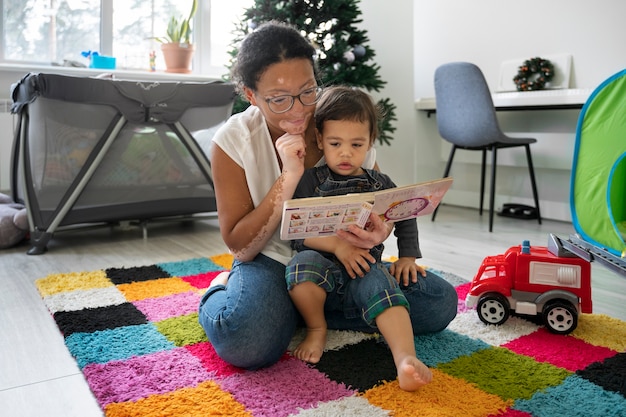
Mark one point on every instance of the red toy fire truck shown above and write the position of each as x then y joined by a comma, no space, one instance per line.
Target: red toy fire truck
549,282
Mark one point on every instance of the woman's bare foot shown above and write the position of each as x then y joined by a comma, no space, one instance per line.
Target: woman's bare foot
412,374
220,279
312,347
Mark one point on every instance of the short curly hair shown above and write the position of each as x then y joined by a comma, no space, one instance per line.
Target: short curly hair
272,42
342,102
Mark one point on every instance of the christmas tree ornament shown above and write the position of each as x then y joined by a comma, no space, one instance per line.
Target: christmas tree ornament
348,56
359,51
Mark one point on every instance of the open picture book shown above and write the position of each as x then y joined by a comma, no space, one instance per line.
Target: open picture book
323,216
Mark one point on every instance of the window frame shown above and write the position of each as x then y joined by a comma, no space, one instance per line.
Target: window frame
201,64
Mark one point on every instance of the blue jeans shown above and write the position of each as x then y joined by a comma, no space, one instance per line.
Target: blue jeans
365,297
251,321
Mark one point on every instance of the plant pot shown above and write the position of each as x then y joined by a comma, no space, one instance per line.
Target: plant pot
177,57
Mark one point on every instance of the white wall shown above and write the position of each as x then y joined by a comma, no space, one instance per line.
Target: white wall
488,32
391,36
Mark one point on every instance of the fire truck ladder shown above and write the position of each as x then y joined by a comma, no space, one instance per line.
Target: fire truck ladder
590,253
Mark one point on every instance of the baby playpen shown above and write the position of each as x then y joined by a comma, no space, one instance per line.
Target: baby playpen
94,150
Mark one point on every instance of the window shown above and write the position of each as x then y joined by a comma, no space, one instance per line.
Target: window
53,31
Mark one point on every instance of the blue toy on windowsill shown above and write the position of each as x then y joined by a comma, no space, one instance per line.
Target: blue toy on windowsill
99,61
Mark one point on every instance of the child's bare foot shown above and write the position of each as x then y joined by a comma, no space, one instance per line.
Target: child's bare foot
220,279
412,374
312,347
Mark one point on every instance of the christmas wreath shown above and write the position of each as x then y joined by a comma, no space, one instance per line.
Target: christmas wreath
533,74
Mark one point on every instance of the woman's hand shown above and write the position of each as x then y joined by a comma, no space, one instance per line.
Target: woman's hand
375,234
291,151
355,260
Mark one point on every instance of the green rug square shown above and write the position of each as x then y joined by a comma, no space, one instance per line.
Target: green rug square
500,371
182,330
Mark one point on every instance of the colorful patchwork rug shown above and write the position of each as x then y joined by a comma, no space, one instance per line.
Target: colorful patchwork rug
135,335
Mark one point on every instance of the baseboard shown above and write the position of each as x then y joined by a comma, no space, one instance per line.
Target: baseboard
550,210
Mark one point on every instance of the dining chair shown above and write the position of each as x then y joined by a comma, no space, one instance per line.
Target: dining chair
466,118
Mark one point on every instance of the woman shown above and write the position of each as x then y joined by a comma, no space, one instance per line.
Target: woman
257,160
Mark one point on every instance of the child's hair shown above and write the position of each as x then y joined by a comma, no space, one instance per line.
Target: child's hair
347,103
270,43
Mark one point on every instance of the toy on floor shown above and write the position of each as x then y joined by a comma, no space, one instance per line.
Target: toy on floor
13,222
548,282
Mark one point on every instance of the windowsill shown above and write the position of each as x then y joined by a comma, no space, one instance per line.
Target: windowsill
17,71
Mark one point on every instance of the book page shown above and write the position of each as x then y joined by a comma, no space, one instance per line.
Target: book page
403,203
304,221
323,216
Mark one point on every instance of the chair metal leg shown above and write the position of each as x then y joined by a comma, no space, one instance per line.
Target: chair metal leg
533,183
445,174
482,181
492,194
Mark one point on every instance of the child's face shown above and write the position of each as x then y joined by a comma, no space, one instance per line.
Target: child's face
345,144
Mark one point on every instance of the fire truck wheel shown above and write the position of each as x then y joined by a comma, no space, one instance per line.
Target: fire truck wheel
560,317
493,308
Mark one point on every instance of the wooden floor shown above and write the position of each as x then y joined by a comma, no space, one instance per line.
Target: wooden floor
39,378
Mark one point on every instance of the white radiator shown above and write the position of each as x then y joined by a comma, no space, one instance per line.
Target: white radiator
6,143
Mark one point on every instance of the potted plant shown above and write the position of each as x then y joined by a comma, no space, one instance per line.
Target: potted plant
176,45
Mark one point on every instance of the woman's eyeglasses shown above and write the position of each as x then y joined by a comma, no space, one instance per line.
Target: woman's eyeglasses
282,104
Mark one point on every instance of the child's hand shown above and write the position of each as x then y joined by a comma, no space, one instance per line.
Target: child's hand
405,270
355,260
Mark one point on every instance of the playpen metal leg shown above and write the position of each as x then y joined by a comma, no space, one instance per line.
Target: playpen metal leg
39,243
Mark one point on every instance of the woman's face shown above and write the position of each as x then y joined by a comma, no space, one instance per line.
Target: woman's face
290,77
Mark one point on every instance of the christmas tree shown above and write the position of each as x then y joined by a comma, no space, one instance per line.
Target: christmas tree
342,52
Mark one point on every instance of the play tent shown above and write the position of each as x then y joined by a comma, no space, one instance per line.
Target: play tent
91,150
598,183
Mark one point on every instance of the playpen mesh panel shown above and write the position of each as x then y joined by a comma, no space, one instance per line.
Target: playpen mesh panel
145,162
60,137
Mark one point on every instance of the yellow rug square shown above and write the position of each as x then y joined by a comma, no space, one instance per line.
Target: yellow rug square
56,283
224,260
196,401
601,330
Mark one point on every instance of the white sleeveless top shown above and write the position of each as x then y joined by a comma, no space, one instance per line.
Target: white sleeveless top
245,138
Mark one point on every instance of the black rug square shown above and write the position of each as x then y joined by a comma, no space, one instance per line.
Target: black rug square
135,274
360,366
90,320
610,374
